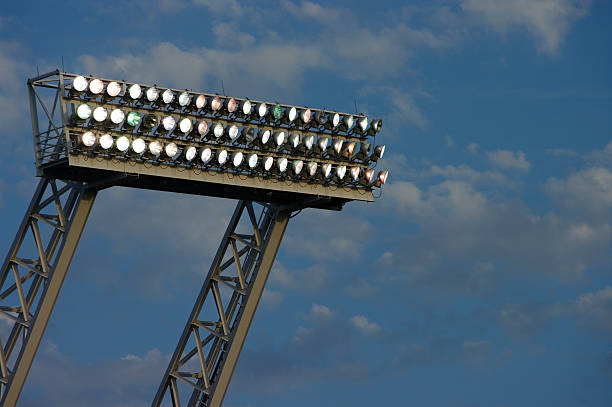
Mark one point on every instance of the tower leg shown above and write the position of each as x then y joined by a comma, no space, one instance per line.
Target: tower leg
203,362
33,273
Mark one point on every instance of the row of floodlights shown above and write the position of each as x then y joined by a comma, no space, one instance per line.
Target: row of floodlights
263,139
221,105
222,158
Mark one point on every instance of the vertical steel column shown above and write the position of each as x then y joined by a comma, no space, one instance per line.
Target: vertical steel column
218,342
38,263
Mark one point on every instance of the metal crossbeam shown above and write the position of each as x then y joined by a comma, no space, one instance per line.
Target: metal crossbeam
224,309
33,273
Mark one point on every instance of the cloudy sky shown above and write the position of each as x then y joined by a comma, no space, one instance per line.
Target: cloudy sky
481,276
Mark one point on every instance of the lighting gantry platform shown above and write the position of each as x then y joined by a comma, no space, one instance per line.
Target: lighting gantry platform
92,133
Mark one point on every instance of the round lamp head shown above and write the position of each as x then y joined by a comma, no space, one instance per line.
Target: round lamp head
292,113
206,155
335,119
148,122
326,170
106,141
79,84
123,143
218,130
308,141
133,119
233,132
185,125
311,167
83,112
152,94
168,123
341,171
190,153
247,107
200,101
100,114
184,99
237,159
265,136
281,163
155,147
96,86
135,91
277,112
252,161
355,172
267,163
216,103
294,140
232,105
113,89
171,149
202,128
306,116
117,116
279,138
262,110
139,146
297,166
222,157
88,139
167,96
363,123
368,175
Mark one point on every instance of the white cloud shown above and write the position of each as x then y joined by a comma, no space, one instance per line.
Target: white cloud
588,192
320,313
302,280
548,21
595,309
365,326
509,160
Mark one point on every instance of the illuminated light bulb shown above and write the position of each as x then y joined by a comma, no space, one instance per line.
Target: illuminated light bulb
184,99
123,143
216,103
79,84
202,128
267,163
206,155
135,91
381,179
363,124
335,148
335,121
139,146
96,86
185,125
117,116
171,149
200,101
262,110
168,123
368,176
148,122
232,105
152,94
155,147
237,159
252,161
348,150
222,157
233,132
348,122
218,130
375,127
100,114
279,138
355,172
326,170
265,136
379,151
340,171
311,168
133,119
83,112
308,141
292,114
294,140
106,141
277,112
281,164
297,166
113,89
305,116
322,143
88,139
167,96
247,107
190,153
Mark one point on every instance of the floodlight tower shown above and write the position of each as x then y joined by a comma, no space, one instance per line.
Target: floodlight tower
274,159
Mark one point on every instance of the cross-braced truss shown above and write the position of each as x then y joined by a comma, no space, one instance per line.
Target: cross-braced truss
33,272
206,355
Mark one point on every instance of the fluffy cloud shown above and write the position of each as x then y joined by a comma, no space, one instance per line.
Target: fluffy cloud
587,193
548,21
509,160
364,325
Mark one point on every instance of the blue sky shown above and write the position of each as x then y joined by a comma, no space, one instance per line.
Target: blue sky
480,277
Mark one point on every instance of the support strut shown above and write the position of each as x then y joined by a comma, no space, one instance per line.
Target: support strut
204,359
33,273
